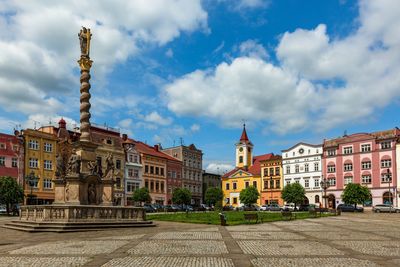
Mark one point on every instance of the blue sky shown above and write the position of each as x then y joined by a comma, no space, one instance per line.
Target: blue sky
293,70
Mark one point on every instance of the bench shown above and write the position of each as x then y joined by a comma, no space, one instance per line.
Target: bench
288,215
252,217
314,213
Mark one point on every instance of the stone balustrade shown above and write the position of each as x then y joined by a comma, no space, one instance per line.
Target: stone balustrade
81,213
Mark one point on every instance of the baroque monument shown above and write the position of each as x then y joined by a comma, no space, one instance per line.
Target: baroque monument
83,192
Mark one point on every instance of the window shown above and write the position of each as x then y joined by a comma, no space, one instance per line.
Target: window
316,183
174,174
306,183
386,163
146,184
316,166
366,179
235,200
348,167
287,182
255,184
48,147
287,169
227,186
297,169
131,186
118,164
386,145
247,184
130,173
33,144
316,199
306,168
297,181
2,146
118,182
136,173
14,162
240,159
271,171
136,159
265,184
151,186
2,161
146,169
162,187
366,165
271,184
278,184
366,148
157,171
348,180
332,181
234,186
331,168
348,150
162,171
277,171
228,200
130,158
48,165
331,152
386,178
47,184
387,198
157,186
151,169
33,163
265,171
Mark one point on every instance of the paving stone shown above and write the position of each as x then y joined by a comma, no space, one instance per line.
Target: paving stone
72,247
189,235
266,235
167,247
207,229
253,228
43,261
275,248
171,262
345,235
121,237
312,262
379,248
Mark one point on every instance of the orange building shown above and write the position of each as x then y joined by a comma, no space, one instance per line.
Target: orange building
272,183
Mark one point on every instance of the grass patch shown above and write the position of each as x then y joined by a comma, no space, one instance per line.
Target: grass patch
233,217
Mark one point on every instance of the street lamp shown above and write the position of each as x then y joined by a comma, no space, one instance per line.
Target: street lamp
31,180
389,177
324,185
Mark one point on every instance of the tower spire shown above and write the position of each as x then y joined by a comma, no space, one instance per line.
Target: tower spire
244,137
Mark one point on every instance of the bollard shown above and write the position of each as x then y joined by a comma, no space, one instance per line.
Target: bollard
222,217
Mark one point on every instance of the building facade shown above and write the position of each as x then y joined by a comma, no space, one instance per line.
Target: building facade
246,173
12,156
363,158
210,180
302,163
133,169
271,184
174,177
192,162
40,157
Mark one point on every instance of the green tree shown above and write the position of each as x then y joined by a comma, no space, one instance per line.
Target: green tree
355,194
181,196
249,195
214,196
294,193
10,192
141,195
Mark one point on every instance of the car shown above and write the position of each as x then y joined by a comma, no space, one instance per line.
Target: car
385,208
177,207
274,207
304,207
187,208
227,208
264,207
289,207
148,208
252,207
3,209
349,208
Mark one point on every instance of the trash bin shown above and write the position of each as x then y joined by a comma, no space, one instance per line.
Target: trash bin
222,217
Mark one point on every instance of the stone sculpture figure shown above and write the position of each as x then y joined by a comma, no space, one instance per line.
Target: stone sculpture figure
84,39
92,194
109,173
60,166
74,164
93,167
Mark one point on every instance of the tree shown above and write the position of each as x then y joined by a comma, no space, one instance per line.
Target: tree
181,196
141,195
249,195
10,192
355,194
294,193
213,196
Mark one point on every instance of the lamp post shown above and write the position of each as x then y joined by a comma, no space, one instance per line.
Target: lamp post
324,185
31,180
389,177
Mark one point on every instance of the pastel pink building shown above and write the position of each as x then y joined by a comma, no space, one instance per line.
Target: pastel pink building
363,158
12,156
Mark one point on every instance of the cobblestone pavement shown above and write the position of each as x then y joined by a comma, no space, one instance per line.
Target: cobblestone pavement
349,240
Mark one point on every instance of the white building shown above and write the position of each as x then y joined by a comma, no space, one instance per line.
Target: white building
302,163
133,170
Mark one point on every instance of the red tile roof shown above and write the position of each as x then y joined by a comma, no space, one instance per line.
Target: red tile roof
244,134
149,150
255,169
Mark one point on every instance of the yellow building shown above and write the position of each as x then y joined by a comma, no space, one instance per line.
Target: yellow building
246,173
40,158
271,170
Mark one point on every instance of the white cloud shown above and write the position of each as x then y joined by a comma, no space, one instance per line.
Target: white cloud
169,53
219,168
195,128
155,117
40,46
252,4
38,120
252,48
125,123
318,83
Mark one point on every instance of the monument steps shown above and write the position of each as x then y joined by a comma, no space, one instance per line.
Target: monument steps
60,227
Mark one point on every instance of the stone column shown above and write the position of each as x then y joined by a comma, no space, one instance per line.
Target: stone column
59,191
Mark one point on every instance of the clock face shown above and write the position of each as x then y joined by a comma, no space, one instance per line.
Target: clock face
301,151
241,149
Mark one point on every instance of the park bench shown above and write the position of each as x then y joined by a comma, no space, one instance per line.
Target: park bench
314,213
288,215
252,217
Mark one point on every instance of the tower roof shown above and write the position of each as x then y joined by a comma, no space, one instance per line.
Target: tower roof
244,137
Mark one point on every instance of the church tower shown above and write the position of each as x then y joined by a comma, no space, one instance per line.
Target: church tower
244,151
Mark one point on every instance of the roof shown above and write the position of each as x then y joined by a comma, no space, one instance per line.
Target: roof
149,150
244,136
299,144
255,169
381,135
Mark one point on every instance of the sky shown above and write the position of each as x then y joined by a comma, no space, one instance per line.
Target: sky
192,71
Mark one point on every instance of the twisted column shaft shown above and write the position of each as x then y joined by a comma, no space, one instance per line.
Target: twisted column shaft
85,64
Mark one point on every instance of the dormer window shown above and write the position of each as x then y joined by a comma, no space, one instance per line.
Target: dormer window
109,142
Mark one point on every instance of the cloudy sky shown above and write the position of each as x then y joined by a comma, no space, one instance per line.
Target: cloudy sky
191,70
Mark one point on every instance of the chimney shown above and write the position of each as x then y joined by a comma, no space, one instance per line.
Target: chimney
156,147
62,124
124,137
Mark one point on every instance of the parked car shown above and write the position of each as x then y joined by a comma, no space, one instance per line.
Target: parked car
3,209
385,208
264,208
148,208
252,207
176,207
187,208
306,207
274,207
289,207
349,208
227,208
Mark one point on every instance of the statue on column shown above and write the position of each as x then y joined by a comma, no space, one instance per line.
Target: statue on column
109,173
92,194
84,39
74,163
